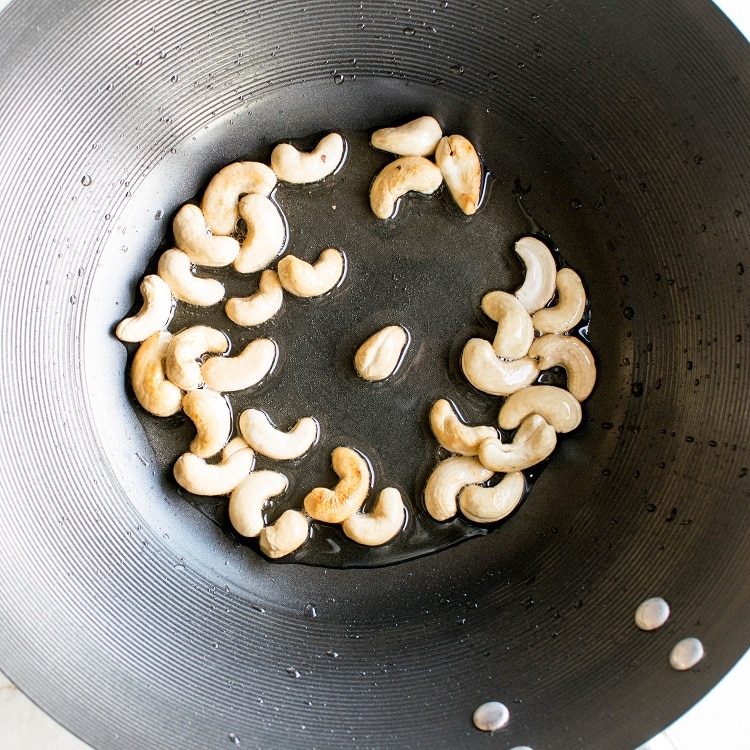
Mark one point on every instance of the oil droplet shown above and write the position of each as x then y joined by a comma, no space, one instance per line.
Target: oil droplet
333,654
310,610
458,69
409,31
86,180
158,215
686,654
73,299
628,313
338,78
174,78
652,613
292,672
576,203
491,716
637,389
234,738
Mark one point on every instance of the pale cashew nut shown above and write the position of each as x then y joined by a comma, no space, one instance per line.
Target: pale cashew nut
336,505
211,414
405,174
382,524
262,436
154,392
176,268
380,356
247,369
572,354
186,347
154,315
515,331
302,279
266,233
491,504
259,307
193,236
302,168
453,434
221,197
570,306
498,377
195,475
447,480
418,137
288,533
249,497
538,287
556,405
462,171
534,441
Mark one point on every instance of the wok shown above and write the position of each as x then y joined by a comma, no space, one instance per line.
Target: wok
617,130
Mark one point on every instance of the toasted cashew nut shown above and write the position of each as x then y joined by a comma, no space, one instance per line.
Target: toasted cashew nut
539,285
380,526
212,416
336,505
556,405
195,475
499,377
453,434
154,315
176,268
379,357
570,307
303,279
448,478
462,171
534,441
265,236
250,496
262,436
247,369
515,331
418,137
182,365
490,504
194,238
572,354
258,307
288,533
302,168
399,177
152,389
220,200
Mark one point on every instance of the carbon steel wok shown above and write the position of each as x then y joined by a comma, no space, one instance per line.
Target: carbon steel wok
620,130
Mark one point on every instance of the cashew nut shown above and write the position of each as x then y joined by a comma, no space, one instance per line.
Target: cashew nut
250,496
247,369
379,357
462,171
262,436
336,505
570,306
556,405
194,238
154,315
538,287
185,348
534,441
491,504
265,236
223,192
399,177
288,533
418,137
154,392
300,168
195,475
380,526
515,331
258,307
572,354
448,478
303,279
211,414
176,268
498,377
451,432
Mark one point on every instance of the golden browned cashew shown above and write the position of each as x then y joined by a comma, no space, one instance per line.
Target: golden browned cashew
379,357
249,497
262,436
515,331
405,174
491,504
247,369
194,238
266,232
570,307
195,475
336,505
462,171
382,524
453,434
556,405
534,441
288,533
418,137
221,198
212,416
154,315
448,478
258,307
571,353
538,287
490,374
302,279
186,347
154,392
176,269
301,168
